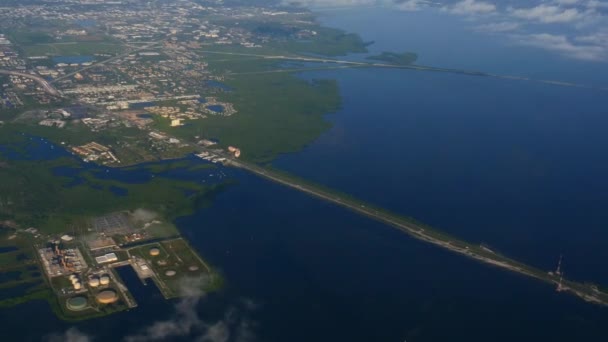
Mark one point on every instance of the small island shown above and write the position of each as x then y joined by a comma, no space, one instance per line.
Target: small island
406,58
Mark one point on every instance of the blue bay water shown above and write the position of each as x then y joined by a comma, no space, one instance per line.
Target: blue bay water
335,276
517,165
314,271
444,40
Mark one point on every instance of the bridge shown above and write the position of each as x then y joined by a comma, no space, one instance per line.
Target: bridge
585,291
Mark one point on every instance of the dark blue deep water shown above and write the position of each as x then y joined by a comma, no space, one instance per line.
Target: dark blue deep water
519,166
216,108
312,271
73,59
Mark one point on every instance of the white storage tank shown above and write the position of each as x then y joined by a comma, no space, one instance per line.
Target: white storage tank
104,280
94,282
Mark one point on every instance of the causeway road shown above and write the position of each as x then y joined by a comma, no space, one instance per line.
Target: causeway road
584,291
417,67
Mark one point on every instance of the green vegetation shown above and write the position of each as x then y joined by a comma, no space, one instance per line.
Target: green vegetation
130,144
284,35
33,184
396,58
30,37
19,271
44,294
277,113
327,42
58,305
41,42
66,203
29,103
163,167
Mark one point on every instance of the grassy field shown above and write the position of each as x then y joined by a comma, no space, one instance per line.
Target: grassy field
30,37
43,42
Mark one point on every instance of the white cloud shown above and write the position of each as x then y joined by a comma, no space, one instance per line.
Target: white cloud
597,4
570,17
597,38
338,3
548,14
469,7
567,2
71,335
504,26
185,322
564,46
412,5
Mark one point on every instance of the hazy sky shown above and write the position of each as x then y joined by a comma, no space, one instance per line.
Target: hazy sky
573,28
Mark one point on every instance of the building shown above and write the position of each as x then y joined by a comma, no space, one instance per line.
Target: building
110,257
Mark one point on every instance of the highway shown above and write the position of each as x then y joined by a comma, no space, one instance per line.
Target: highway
582,290
48,88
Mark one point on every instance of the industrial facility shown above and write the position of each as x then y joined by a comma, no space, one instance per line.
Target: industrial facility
57,261
82,268
77,303
108,296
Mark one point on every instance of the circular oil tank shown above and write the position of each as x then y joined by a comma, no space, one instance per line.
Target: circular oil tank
107,297
77,286
170,273
154,251
73,277
104,280
94,282
76,303
193,268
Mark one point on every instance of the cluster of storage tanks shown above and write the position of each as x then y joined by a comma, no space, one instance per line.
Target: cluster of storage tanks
235,151
95,281
75,282
105,296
